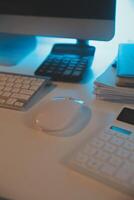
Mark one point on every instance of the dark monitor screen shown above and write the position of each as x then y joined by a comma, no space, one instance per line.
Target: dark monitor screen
93,9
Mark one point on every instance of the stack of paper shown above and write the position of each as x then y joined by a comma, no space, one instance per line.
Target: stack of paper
105,88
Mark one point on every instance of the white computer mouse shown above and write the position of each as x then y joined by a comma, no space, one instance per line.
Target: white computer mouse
59,114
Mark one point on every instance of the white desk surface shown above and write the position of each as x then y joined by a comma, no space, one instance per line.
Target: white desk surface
30,161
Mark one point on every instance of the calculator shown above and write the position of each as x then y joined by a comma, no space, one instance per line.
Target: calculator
67,62
109,155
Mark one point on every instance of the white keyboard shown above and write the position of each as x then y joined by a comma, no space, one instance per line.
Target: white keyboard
107,157
17,90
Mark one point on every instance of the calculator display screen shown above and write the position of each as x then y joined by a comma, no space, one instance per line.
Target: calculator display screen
126,115
121,130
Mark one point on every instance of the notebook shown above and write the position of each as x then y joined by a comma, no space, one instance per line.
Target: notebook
125,61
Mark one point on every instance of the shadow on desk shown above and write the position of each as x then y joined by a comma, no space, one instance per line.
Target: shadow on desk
39,95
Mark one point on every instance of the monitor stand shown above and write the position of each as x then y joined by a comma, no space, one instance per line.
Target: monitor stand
15,47
84,45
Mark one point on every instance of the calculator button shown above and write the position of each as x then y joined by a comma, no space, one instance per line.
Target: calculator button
131,158
102,155
117,141
131,138
67,72
123,153
132,182
115,161
125,172
109,147
90,150
76,73
108,169
129,146
109,132
105,136
93,163
97,143
81,159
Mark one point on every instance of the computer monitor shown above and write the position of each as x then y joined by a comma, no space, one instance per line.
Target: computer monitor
83,20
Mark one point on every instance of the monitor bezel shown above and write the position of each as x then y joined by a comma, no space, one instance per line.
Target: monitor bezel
87,29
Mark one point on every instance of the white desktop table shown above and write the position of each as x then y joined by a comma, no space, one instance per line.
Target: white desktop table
30,161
